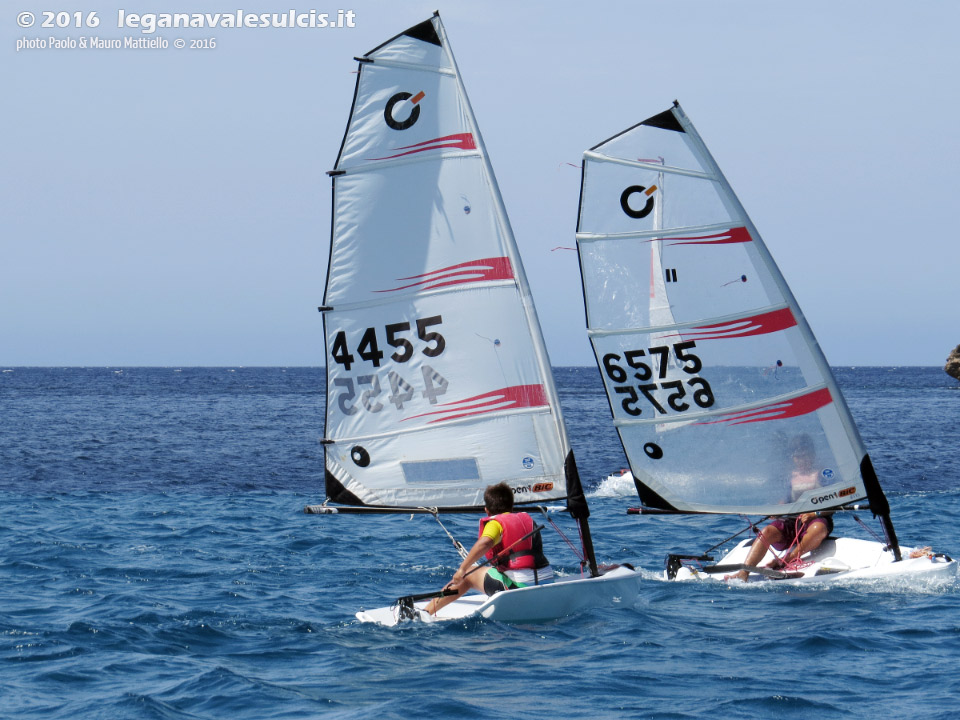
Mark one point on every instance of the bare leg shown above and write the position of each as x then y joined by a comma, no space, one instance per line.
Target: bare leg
472,581
816,534
767,537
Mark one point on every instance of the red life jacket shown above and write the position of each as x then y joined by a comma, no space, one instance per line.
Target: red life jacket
515,526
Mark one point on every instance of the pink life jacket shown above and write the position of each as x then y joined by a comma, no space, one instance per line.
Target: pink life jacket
515,526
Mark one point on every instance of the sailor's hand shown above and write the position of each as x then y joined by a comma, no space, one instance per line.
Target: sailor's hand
454,584
807,517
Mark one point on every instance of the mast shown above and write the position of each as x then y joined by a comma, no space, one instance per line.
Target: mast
576,500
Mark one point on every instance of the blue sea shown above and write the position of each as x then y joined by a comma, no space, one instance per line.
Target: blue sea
156,563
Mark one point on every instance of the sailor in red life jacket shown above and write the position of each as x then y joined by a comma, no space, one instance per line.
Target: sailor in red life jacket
525,564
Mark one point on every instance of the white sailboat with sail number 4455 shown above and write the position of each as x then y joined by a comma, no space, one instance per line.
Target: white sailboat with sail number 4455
438,380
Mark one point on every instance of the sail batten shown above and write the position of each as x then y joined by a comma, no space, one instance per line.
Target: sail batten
647,166
660,234
448,421
721,325
738,413
407,66
377,164
476,287
719,391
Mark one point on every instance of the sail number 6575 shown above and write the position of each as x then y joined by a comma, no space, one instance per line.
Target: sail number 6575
641,362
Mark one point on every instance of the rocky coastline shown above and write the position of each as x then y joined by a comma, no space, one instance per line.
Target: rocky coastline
952,368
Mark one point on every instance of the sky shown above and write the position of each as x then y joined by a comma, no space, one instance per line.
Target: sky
169,207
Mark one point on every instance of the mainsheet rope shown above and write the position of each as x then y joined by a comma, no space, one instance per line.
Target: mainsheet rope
796,563
456,543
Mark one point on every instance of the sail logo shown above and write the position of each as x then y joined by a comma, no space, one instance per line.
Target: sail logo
537,488
458,141
483,270
768,322
632,190
792,408
730,237
527,463
413,113
506,399
833,496
823,498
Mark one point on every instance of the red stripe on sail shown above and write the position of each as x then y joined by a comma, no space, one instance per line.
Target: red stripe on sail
733,235
460,141
768,322
483,270
509,398
778,411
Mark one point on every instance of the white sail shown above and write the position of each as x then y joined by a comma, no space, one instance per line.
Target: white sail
753,388
438,381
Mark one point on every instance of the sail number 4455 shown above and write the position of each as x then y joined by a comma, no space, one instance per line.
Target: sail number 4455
641,363
369,348
399,336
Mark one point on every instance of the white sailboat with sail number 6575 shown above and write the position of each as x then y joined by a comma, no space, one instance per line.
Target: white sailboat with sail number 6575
438,381
722,398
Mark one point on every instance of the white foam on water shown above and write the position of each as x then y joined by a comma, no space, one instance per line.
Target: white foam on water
616,485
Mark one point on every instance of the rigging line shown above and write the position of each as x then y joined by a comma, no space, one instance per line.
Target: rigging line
583,559
796,563
779,558
580,556
750,526
867,528
456,543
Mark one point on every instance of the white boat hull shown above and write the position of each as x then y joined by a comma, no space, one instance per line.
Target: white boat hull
530,604
837,559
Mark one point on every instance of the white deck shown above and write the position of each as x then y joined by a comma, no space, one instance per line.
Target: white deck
837,559
530,604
